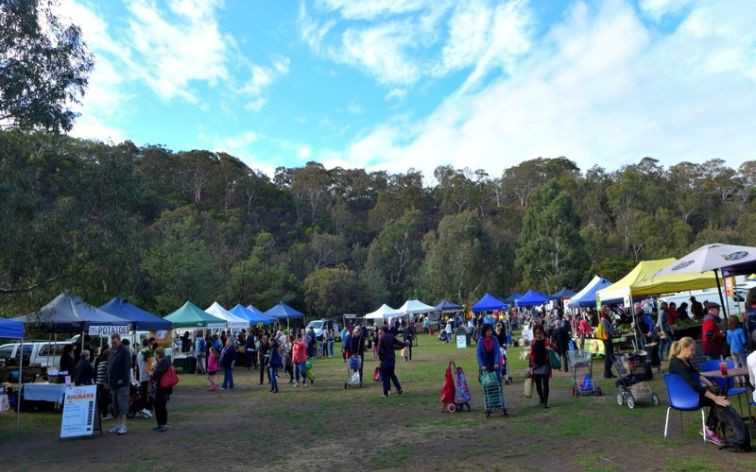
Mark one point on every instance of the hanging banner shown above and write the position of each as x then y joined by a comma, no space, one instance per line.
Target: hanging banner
105,331
729,286
79,412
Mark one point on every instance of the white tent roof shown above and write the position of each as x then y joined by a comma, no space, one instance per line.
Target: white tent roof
411,307
233,321
383,312
594,281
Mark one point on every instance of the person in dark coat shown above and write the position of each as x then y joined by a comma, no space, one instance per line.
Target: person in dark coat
356,347
84,374
67,360
160,395
227,363
562,338
386,354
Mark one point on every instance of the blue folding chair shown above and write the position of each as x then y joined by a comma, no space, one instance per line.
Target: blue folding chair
682,398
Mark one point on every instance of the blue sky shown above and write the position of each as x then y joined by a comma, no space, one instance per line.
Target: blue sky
420,83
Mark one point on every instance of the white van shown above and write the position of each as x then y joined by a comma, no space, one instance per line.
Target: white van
735,304
36,353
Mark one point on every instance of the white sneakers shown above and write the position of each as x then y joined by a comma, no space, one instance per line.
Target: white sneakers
147,413
119,429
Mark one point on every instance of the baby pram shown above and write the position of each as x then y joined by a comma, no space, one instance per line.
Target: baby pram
354,365
581,366
455,394
633,382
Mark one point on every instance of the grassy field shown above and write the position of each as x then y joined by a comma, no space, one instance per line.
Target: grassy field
326,427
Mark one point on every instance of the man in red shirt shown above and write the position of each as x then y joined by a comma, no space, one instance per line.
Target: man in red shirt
712,337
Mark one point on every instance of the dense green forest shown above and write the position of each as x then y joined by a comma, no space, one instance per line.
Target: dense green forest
161,227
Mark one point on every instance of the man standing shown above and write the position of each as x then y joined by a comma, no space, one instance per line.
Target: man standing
227,357
199,352
409,337
712,336
119,375
608,346
386,347
696,308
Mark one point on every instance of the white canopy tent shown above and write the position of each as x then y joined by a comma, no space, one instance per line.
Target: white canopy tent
232,321
384,312
412,307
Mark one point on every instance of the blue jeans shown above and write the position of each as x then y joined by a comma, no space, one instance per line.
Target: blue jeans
228,377
299,369
664,345
273,379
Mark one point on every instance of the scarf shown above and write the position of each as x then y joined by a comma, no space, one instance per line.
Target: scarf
488,344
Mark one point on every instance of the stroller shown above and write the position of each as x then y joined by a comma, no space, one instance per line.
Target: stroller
581,362
455,394
354,365
634,373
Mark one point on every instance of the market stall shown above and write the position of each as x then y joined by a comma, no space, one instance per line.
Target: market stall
10,329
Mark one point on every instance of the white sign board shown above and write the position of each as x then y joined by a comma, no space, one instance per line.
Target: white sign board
79,412
105,331
461,341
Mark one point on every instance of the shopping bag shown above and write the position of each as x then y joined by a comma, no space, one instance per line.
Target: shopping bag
355,380
354,363
556,363
169,378
377,374
601,333
528,387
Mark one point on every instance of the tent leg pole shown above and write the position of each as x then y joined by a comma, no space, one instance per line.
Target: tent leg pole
719,289
20,384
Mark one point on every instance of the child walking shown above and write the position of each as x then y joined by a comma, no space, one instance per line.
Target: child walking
212,369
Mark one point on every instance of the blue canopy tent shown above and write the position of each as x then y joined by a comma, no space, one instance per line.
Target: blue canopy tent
139,319
511,299
563,293
284,311
488,303
11,329
587,296
260,315
448,307
69,313
532,298
250,315
15,330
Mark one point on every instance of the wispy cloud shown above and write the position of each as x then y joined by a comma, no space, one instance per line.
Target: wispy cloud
399,43
602,87
176,47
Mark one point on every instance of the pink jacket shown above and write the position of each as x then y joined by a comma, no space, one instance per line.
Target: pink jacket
212,363
299,352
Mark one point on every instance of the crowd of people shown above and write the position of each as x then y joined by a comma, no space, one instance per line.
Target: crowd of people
118,369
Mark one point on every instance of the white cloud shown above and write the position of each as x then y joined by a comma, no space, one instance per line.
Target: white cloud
262,78
178,48
599,87
402,42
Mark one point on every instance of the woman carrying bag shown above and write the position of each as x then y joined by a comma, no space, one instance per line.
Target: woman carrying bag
540,364
161,387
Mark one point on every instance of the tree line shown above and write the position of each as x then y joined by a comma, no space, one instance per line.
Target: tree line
161,227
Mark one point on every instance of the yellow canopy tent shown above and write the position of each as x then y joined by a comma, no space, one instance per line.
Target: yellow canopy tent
641,281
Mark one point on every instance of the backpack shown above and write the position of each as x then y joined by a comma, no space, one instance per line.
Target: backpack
736,432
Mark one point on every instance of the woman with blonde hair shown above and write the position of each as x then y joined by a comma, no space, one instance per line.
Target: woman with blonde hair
680,356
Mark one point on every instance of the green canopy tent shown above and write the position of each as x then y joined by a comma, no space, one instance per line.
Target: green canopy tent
192,316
